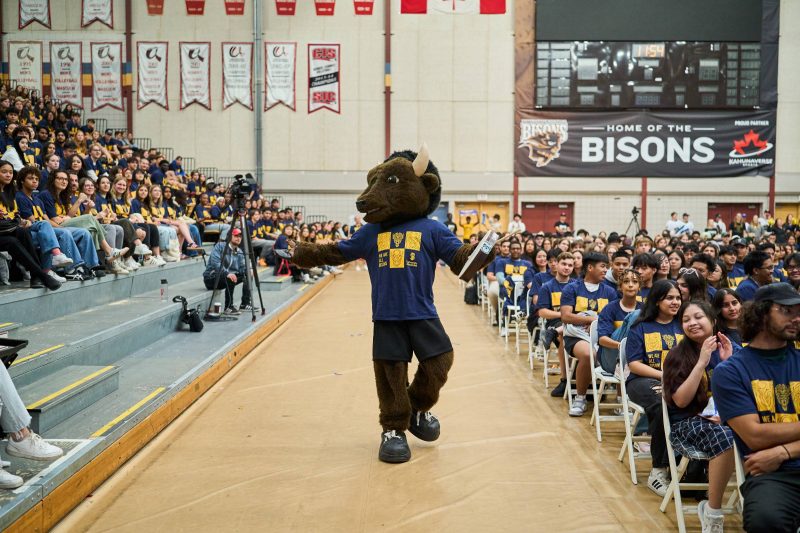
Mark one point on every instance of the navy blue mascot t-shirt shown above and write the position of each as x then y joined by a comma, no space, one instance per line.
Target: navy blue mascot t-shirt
402,264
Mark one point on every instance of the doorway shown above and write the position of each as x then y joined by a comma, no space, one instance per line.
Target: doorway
542,216
480,214
729,211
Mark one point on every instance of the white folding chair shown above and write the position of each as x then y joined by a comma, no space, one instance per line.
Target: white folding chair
535,339
740,476
512,312
677,470
631,414
483,296
546,370
521,319
603,383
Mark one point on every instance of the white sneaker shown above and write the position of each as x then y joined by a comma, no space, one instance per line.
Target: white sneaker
658,481
336,271
61,260
710,523
117,268
9,480
169,258
160,261
151,261
326,273
33,447
143,250
578,406
131,264
504,331
56,277
118,252
306,278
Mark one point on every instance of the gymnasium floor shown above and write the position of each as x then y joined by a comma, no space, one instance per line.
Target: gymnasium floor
288,441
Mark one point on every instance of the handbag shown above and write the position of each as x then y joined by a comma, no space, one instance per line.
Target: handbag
8,225
190,316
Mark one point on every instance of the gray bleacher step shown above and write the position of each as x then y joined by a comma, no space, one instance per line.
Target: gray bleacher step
60,395
7,327
274,283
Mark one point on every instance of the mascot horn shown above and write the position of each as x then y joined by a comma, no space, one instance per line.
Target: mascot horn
401,247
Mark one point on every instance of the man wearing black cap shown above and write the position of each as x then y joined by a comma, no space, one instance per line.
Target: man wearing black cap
562,226
736,273
757,393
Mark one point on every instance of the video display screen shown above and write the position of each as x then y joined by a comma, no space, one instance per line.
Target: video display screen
623,75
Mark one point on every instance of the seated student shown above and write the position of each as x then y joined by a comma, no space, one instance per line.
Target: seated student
650,339
22,441
115,235
281,267
620,262
548,306
694,424
692,285
792,265
689,251
120,202
614,314
258,236
647,266
755,392
758,267
736,273
663,266
718,278
141,211
512,271
676,263
705,265
728,308
226,273
493,290
588,297
173,216
769,249
538,279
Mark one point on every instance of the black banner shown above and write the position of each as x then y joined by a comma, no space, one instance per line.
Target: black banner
677,143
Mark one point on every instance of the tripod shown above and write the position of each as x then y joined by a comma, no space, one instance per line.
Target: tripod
634,223
250,263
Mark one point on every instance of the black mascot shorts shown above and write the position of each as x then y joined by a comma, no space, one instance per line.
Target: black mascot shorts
395,340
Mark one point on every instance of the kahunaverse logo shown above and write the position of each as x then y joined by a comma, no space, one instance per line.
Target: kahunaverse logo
749,146
543,138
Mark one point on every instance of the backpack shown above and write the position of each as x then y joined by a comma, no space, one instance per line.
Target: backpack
609,357
471,293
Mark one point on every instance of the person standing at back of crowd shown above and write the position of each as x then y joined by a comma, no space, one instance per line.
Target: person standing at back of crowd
649,340
685,226
468,228
450,224
562,225
516,225
758,267
755,392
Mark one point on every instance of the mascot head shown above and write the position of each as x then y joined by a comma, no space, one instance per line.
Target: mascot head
404,187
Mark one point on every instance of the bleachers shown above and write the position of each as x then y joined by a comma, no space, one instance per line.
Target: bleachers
104,354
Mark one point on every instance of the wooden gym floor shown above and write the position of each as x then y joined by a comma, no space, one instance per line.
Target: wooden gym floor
288,441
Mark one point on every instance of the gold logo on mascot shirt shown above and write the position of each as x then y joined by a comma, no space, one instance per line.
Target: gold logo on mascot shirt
390,252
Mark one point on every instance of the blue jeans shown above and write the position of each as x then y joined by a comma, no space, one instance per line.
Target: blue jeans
44,238
83,243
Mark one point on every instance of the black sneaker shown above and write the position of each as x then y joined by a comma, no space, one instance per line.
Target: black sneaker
424,426
559,390
549,336
98,272
51,283
394,447
36,283
75,275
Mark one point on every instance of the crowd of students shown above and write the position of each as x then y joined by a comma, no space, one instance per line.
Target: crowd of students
691,305
76,204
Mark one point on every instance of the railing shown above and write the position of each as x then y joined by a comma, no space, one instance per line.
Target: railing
142,143
311,219
100,124
296,208
166,152
188,164
211,173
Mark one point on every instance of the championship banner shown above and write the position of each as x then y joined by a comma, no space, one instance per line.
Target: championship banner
195,74
152,60
106,75
237,74
25,64
281,59
66,73
672,144
97,10
34,10
323,77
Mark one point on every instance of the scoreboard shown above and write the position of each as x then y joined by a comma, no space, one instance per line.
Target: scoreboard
665,74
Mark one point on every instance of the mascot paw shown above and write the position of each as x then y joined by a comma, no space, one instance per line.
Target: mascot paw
424,426
394,447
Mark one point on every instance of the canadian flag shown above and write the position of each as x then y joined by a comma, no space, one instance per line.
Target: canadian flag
459,7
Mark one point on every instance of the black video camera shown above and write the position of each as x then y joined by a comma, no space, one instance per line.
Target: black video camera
635,211
243,185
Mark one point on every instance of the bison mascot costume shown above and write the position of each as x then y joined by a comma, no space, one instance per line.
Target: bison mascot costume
402,247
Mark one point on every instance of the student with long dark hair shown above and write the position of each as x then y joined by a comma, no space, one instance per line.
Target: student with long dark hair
650,339
692,285
728,308
694,423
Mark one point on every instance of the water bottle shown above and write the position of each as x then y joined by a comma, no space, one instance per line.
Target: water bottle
164,290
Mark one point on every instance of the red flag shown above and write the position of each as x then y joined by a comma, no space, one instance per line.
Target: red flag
419,7
493,7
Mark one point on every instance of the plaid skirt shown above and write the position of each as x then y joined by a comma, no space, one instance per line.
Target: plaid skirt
699,438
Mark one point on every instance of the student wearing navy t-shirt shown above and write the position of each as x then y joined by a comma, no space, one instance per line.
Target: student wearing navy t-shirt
620,262
540,278
687,377
613,315
493,290
646,265
758,267
589,297
737,273
548,306
511,271
649,340
757,394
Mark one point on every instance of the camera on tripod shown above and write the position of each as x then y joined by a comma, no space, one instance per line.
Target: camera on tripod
635,211
243,185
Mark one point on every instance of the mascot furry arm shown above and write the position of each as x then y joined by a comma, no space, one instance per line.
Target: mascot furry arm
399,189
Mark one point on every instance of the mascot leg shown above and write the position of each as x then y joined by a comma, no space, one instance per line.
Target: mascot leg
391,378
423,394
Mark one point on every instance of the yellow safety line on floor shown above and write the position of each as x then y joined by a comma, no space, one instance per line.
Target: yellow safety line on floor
69,387
37,354
128,411
304,287
4,324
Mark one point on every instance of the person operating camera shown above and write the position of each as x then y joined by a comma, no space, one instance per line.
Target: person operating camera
226,273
